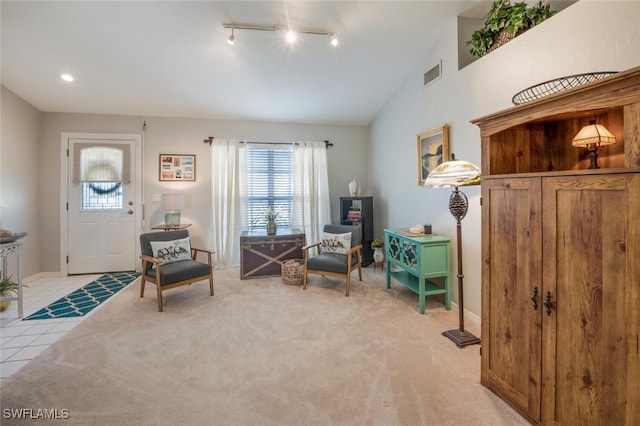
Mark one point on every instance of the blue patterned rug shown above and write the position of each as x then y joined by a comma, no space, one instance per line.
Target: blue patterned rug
81,301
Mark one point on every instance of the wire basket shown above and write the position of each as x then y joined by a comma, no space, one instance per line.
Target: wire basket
557,85
292,271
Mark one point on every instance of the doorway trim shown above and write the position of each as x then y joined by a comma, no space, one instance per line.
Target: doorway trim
64,185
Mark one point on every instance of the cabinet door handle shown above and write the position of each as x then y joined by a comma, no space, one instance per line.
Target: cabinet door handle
547,303
534,298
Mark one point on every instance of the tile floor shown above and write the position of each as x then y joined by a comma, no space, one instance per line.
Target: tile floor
21,341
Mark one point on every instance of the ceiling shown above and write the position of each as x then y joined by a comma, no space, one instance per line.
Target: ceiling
171,58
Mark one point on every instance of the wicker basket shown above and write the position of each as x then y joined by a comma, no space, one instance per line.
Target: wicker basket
292,271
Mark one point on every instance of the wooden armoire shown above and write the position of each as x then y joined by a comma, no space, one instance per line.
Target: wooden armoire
561,256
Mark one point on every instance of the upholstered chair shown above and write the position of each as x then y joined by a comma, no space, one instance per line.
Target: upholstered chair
336,255
169,261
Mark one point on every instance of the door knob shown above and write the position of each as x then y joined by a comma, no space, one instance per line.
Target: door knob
128,212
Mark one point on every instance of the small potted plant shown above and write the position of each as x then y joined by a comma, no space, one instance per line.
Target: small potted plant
8,288
378,252
270,217
506,21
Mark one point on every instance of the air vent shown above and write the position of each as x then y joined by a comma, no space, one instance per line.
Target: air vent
433,74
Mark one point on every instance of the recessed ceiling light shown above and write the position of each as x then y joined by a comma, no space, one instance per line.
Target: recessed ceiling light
67,77
291,36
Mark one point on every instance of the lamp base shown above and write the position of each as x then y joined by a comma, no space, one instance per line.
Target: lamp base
461,338
172,218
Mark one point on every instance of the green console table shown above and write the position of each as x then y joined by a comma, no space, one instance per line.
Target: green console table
414,259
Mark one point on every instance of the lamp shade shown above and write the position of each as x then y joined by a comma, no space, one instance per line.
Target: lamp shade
172,201
593,135
453,173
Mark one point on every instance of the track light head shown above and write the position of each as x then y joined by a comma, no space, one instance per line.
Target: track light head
291,36
232,39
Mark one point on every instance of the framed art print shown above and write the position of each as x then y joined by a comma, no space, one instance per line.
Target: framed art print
177,167
433,149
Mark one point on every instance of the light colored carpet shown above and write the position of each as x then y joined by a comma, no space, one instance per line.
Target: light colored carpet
262,353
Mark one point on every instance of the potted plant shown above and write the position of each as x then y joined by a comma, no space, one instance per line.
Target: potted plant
506,21
378,252
8,288
270,217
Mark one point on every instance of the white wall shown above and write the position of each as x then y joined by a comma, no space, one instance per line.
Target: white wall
587,36
347,160
19,174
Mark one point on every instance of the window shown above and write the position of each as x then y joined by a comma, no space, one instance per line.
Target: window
101,196
269,184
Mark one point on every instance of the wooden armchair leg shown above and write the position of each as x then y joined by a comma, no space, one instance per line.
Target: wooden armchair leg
348,285
160,307
211,284
360,271
142,283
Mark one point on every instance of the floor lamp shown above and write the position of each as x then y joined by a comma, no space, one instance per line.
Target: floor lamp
455,173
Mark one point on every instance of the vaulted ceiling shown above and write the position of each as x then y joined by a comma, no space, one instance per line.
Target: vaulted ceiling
171,58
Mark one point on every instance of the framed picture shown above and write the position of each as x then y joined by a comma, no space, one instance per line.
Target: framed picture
433,149
177,167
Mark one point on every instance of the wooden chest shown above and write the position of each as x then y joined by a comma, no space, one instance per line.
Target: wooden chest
261,254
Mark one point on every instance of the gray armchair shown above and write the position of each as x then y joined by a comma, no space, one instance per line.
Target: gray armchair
331,263
173,262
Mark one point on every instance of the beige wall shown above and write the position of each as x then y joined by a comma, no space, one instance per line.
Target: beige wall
19,177
347,160
587,36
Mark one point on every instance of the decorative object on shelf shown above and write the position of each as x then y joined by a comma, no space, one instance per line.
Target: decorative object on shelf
270,216
378,253
557,85
8,288
354,188
427,229
177,167
592,137
7,236
433,149
504,22
355,214
417,229
455,173
172,204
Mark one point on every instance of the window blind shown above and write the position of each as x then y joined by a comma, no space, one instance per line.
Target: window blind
101,162
269,183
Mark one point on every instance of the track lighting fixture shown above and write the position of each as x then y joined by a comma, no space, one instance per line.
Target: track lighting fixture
291,34
232,39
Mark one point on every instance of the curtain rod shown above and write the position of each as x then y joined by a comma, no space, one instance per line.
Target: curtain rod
210,139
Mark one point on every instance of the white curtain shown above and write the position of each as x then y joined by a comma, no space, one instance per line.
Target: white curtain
226,227
311,202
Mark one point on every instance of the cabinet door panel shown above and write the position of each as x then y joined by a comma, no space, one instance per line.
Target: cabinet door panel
511,339
585,270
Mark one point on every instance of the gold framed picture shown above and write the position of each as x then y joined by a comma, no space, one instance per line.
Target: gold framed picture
177,167
433,149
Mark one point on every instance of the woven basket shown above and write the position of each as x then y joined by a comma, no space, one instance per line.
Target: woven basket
292,271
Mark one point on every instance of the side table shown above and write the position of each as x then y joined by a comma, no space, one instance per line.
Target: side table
13,249
417,259
172,227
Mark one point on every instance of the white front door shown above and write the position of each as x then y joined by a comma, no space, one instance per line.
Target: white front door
102,217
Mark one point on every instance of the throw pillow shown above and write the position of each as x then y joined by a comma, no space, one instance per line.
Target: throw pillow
172,251
336,243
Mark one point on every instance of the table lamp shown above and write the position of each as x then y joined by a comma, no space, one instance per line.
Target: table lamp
172,204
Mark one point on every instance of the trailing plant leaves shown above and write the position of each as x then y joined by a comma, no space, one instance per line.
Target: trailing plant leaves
512,18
